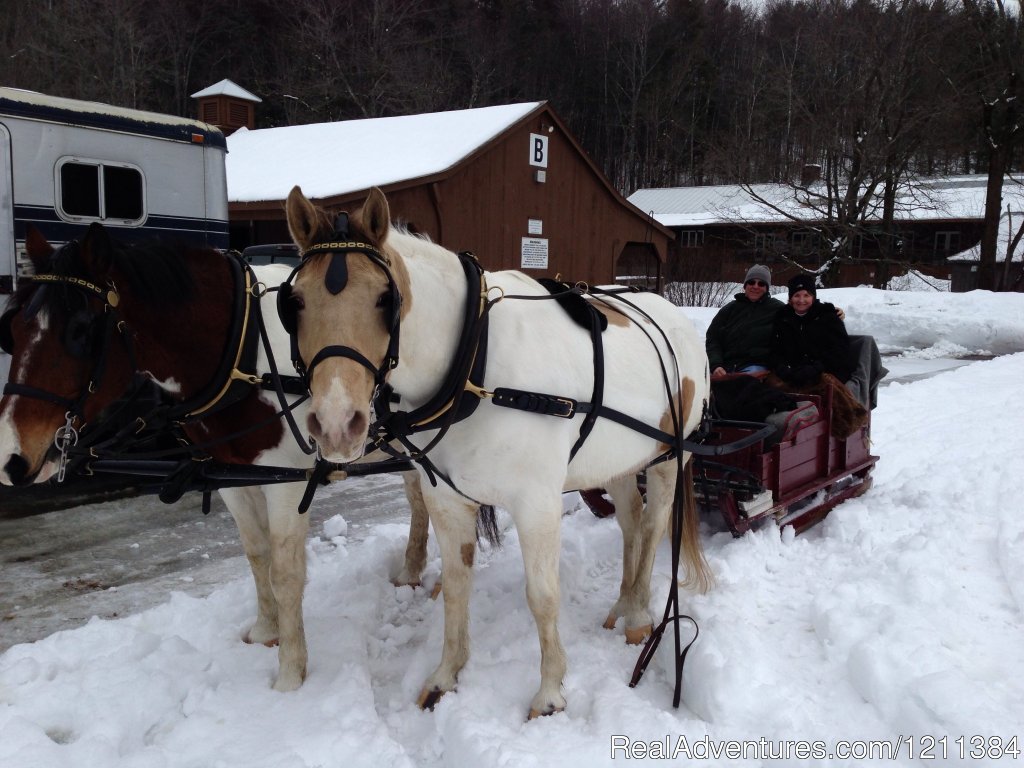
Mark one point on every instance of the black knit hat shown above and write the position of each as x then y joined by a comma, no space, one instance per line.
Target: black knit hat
803,282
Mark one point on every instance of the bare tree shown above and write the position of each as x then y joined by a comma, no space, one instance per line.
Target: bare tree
1000,38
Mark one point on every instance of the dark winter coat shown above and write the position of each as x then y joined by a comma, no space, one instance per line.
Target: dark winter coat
803,348
741,333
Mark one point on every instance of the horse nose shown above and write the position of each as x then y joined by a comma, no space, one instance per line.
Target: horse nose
339,434
16,470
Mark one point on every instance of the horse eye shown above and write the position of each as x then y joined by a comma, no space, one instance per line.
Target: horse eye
297,303
384,300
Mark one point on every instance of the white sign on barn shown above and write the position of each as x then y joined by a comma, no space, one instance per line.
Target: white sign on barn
538,150
534,253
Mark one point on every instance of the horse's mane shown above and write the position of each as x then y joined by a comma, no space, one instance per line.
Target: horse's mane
155,272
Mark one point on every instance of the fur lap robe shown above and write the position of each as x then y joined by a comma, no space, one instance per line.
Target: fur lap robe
848,415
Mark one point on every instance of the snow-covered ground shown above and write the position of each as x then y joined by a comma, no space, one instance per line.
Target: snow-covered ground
897,625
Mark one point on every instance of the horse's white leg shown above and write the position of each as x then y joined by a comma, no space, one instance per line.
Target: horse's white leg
288,530
661,485
455,526
416,548
539,527
249,509
629,510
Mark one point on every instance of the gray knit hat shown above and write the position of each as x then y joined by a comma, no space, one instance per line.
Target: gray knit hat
759,272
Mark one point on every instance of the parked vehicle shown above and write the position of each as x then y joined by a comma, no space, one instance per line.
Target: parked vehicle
65,163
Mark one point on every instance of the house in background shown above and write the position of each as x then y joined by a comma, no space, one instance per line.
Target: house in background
722,230
964,265
508,183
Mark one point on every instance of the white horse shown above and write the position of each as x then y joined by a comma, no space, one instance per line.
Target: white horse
396,301
175,308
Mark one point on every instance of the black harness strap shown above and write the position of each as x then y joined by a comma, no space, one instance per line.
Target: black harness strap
449,404
236,374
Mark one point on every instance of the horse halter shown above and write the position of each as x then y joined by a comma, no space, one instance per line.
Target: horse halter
80,333
335,281
82,330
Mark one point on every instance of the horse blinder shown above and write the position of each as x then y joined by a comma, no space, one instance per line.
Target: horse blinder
6,332
288,308
80,334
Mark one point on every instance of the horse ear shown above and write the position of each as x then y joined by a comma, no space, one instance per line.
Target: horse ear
376,216
38,248
303,221
97,249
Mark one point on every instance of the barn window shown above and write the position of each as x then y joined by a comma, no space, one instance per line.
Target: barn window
691,238
946,243
804,242
96,190
764,242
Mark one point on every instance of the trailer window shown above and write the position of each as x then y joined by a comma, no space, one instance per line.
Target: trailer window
80,189
98,191
122,193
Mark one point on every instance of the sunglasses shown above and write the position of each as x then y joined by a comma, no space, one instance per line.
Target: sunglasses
758,283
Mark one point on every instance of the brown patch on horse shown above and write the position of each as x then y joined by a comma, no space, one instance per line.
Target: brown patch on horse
613,315
687,393
468,550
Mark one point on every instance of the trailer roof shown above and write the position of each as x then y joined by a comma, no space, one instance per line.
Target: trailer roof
92,114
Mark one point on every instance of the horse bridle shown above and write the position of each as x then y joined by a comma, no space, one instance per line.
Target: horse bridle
335,281
80,335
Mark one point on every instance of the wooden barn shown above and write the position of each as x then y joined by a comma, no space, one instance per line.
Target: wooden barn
508,183
721,230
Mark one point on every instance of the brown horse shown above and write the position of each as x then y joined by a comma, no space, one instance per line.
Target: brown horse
95,314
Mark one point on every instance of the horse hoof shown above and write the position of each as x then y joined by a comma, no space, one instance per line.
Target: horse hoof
609,623
256,638
436,591
289,682
637,635
399,583
534,714
429,698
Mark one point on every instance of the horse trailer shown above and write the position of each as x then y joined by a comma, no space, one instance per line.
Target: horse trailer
65,163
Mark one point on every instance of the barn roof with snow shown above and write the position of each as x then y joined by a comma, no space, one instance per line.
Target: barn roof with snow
331,159
955,197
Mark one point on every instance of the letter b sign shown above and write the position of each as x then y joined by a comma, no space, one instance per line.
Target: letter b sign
538,150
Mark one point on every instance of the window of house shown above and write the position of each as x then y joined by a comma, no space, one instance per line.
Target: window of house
94,190
804,242
947,242
691,238
764,242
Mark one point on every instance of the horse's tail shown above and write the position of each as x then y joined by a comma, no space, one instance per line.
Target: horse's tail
696,569
487,525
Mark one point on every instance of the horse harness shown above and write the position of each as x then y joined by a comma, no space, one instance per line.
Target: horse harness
465,375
